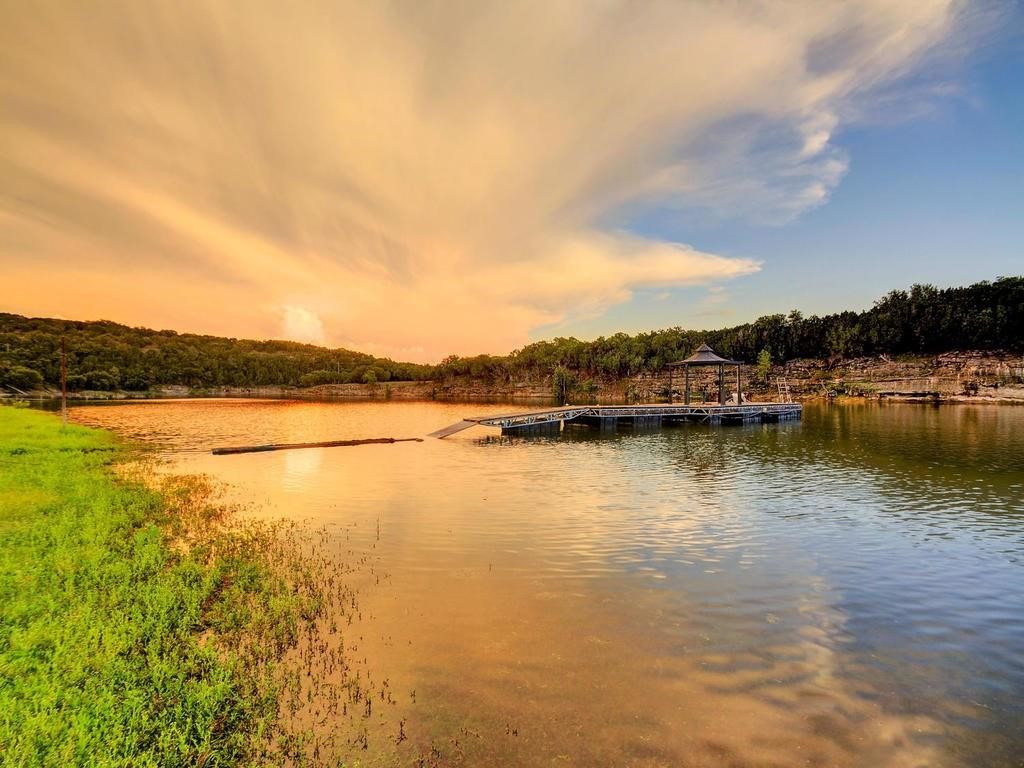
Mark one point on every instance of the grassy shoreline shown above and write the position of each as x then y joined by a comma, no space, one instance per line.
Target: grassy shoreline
137,627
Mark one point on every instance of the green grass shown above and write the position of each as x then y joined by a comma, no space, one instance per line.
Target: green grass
136,626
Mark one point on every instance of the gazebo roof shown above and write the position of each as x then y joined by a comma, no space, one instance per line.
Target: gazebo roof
705,355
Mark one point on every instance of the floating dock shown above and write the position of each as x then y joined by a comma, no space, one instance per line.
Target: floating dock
608,418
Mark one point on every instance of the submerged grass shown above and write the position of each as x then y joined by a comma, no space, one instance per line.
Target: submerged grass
136,626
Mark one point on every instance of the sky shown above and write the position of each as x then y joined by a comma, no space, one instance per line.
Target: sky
418,179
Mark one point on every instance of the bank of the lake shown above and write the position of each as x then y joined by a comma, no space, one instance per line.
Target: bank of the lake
952,377
137,626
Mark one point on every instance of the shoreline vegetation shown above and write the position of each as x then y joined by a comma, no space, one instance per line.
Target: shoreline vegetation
953,377
139,624
964,343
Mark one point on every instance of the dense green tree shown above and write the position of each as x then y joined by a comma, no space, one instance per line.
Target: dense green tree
20,377
105,355
764,364
921,320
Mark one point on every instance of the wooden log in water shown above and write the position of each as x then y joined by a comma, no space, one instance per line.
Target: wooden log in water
328,444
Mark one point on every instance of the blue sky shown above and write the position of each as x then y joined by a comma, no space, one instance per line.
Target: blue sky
933,198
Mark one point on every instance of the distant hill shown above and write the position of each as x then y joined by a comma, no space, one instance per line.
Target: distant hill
924,320
103,355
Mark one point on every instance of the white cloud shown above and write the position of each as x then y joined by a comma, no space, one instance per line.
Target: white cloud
423,176
299,324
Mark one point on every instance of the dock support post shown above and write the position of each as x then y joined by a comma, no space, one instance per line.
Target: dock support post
533,430
739,389
721,384
686,385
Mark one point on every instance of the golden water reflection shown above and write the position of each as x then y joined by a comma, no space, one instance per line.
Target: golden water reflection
843,591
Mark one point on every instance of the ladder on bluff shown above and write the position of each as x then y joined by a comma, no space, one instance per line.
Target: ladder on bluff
780,382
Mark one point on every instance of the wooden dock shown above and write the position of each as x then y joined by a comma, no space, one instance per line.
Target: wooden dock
608,418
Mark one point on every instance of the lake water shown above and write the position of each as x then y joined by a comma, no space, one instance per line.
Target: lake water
845,590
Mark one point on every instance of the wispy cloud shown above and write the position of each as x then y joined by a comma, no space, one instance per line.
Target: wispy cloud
412,176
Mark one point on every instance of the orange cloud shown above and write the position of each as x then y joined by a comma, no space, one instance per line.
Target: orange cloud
414,179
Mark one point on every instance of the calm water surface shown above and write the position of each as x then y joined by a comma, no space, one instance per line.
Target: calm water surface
848,590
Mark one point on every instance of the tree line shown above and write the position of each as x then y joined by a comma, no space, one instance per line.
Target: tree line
106,356
102,355
922,320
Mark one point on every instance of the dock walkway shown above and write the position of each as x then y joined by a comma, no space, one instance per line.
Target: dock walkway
610,417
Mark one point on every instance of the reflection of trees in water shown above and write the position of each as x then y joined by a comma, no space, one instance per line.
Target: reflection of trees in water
960,437
942,461
945,461
701,452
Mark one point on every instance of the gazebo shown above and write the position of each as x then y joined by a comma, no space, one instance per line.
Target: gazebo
705,356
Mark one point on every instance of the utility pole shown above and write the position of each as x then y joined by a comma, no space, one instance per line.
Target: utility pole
63,382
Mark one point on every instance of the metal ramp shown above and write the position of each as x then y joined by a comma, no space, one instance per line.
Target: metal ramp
452,429
513,420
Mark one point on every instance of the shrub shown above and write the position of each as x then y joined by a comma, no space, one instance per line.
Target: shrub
21,377
764,364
